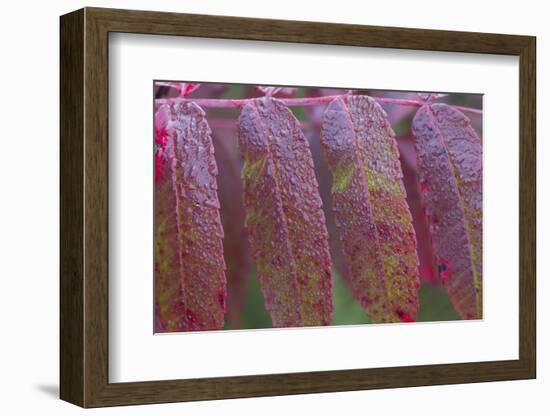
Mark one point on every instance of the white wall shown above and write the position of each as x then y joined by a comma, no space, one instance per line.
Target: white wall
29,210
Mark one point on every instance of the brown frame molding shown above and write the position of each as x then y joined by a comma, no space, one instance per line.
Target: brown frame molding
84,207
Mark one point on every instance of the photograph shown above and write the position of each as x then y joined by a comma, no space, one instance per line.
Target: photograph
330,203
307,206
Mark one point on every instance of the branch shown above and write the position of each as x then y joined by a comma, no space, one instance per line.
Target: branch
307,101
237,103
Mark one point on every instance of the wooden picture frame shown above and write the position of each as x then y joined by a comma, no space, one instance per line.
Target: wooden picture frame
84,207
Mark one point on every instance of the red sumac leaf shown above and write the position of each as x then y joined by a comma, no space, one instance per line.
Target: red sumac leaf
450,167
284,216
371,212
190,286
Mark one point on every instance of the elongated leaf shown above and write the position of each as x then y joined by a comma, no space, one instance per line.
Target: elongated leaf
190,286
371,212
450,167
284,217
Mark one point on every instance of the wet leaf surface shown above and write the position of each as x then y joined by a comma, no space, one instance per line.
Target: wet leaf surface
190,284
284,216
371,212
450,167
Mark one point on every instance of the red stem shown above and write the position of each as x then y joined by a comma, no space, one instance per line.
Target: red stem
237,103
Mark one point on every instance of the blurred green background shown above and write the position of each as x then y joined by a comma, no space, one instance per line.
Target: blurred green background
434,306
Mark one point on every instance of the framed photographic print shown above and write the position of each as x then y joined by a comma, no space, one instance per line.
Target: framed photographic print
255,207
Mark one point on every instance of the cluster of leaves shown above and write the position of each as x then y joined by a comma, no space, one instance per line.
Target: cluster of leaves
274,211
